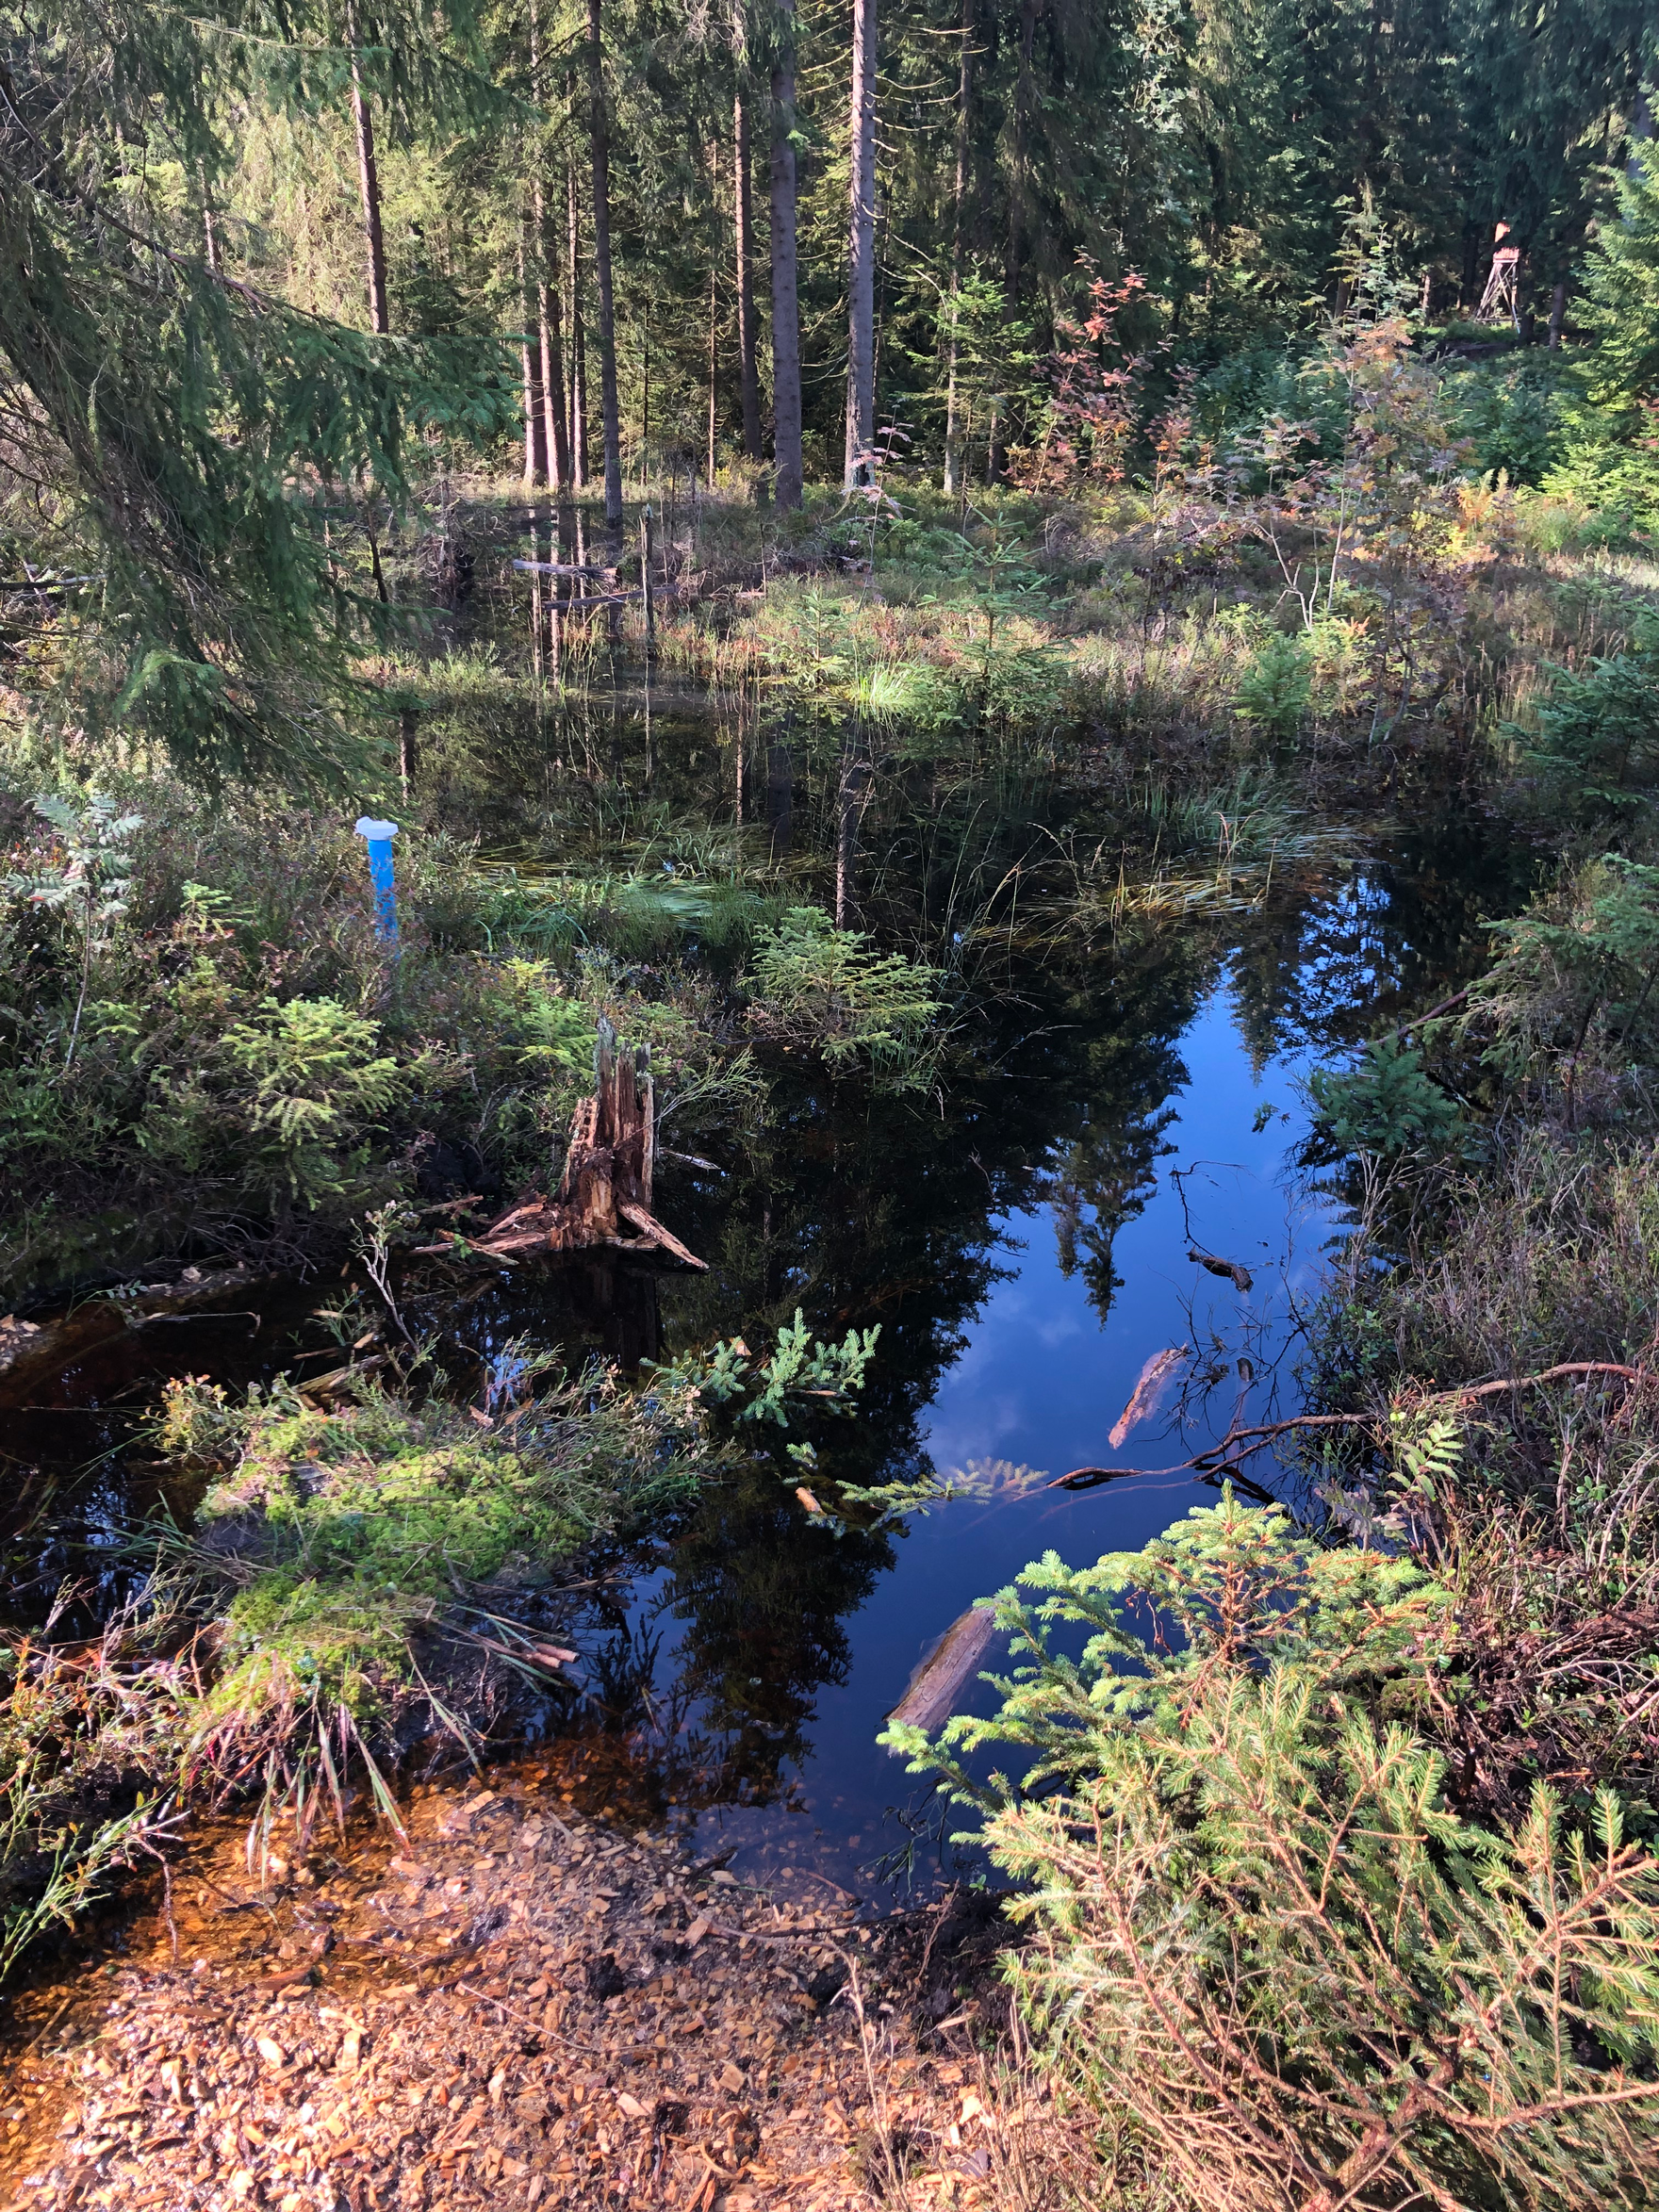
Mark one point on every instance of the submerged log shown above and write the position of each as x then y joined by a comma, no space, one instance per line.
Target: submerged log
930,1697
1148,1391
605,1189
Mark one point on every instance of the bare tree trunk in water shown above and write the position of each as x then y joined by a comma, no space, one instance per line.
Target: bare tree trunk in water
535,442
747,333
855,784
1558,314
579,469
786,455
780,792
860,352
368,185
600,129
952,424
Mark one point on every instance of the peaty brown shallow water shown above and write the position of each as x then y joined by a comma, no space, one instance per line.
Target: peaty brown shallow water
507,2007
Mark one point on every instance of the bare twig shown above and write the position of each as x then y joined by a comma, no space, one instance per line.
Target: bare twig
1220,1459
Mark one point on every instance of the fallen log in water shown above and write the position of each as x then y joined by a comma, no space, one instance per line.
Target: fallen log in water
607,1187
1148,1392
930,1697
34,1354
1240,1277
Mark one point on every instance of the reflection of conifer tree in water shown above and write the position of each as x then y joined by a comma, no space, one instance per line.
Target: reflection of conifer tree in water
864,1209
1323,970
1108,1168
765,1603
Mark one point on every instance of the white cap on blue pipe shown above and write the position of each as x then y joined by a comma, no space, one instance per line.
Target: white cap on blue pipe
376,833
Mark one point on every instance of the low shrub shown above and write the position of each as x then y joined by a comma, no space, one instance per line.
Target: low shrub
1262,1947
1386,1104
821,990
1277,688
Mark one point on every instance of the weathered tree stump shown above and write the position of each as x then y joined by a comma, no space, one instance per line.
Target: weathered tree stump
604,1195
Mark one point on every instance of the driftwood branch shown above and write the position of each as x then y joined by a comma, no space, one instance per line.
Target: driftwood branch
1220,1459
930,1698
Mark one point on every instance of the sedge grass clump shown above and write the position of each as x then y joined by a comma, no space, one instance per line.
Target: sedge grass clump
89,1730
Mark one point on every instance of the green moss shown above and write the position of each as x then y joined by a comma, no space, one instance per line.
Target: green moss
343,1557
293,1642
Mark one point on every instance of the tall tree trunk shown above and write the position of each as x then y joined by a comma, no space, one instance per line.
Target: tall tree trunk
1640,127
645,409
579,469
714,366
780,792
860,288
1018,181
1557,314
600,129
1017,205
535,440
747,333
553,367
953,425
786,453
368,185
555,440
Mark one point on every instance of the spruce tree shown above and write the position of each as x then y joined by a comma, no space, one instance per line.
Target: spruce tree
192,436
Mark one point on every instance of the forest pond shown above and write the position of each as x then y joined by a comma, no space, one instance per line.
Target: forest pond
1029,1238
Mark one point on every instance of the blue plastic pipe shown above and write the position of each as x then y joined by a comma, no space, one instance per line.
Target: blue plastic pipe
378,837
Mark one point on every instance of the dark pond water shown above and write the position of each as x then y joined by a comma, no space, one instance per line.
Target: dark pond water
1184,1134
1022,1236
1046,1366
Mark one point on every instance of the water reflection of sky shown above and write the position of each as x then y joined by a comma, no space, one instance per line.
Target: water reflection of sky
1038,1385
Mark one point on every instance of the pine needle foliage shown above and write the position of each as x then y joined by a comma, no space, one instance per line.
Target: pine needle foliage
1262,1947
187,437
822,989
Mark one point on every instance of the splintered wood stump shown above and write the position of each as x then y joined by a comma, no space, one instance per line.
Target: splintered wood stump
604,1195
